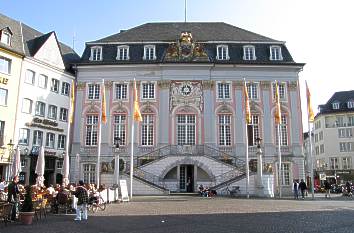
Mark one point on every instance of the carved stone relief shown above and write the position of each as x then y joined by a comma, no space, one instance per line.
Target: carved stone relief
186,93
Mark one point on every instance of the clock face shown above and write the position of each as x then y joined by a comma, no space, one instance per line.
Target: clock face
186,89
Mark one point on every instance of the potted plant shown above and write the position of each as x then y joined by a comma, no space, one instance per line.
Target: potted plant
27,213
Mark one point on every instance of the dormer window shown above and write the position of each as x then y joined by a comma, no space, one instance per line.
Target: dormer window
350,104
6,38
335,105
123,52
222,52
149,52
249,53
275,53
96,53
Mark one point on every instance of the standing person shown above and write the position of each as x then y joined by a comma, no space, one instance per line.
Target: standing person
327,187
82,200
189,185
296,189
2,184
302,187
12,196
348,189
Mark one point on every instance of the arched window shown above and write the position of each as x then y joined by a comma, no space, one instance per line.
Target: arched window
283,132
224,127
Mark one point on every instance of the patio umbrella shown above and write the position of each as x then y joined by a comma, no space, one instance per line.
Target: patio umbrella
16,164
77,167
40,168
66,169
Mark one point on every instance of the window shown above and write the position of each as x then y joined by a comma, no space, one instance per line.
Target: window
252,89
26,106
91,130
42,81
119,126
321,148
333,163
50,140
65,88
63,116
339,121
55,85
316,137
346,163
60,164
96,54
5,65
149,52
2,133
6,38
29,78
317,150
61,141
318,124
147,130
346,146
3,97
335,105
285,174
225,130
123,52
249,53
89,173
281,89
121,91
350,104
320,135
148,90
275,53
40,109
37,138
93,91
24,137
222,52
23,163
350,120
283,132
186,129
52,112
253,130
224,90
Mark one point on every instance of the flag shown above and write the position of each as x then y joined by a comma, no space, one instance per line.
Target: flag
277,115
72,103
137,114
311,116
103,105
247,104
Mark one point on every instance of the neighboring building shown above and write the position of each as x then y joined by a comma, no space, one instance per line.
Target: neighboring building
333,138
190,78
42,104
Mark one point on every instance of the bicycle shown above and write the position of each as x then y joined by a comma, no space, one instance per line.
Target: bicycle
95,203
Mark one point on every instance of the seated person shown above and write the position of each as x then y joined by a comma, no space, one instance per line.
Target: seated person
201,189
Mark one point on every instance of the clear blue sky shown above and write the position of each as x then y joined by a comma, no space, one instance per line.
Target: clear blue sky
317,32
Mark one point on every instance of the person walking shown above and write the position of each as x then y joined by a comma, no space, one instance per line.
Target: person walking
302,187
327,187
82,199
296,189
12,196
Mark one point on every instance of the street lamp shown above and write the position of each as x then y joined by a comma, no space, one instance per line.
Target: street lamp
117,141
10,147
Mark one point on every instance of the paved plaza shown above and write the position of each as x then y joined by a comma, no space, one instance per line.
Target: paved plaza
178,214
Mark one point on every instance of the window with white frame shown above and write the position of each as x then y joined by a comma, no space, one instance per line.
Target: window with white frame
350,104
6,38
148,90
275,53
249,52
93,91
89,173
339,121
333,163
253,130
322,149
30,77
346,163
222,52
252,89
91,130
65,88
40,109
335,105
283,132
320,135
317,150
349,132
63,116
281,90
96,54
42,81
149,52
61,141
5,65
285,174
350,120
50,140
147,130
224,90
37,138
26,105
52,112
60,163
119,128
54,85
186,128
123,52
24,136
121,91
3,97
225,130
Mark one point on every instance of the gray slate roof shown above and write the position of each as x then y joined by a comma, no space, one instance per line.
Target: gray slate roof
342,97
